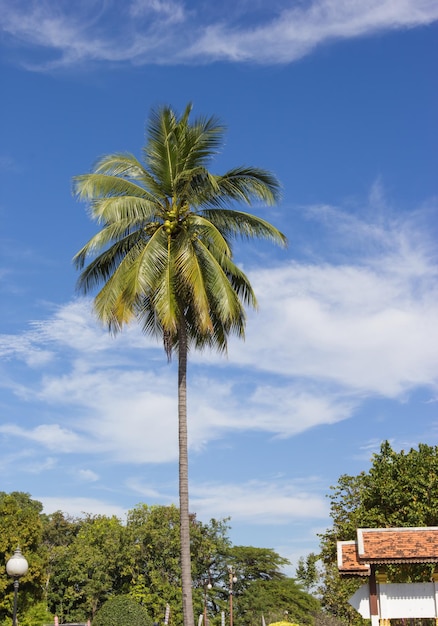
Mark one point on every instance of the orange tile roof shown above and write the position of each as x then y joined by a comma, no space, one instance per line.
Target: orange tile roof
398,545
348,559
387,545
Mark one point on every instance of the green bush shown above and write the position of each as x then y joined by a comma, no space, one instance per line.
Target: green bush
122,611
36,615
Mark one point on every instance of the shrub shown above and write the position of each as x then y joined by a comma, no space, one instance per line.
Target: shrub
122,611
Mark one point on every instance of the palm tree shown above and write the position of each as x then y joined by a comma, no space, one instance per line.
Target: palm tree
163,253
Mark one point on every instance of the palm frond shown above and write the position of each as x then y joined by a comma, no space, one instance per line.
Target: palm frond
163,254
246,225
125,165
238,280
105,263
120,164
139,211
195,186
201,140
89,187
191,288
246,184
200,227
111,305
161,150
224,301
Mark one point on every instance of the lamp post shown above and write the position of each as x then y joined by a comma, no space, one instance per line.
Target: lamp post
207,587
16,567
232,578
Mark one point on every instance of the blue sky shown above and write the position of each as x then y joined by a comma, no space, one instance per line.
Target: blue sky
339,100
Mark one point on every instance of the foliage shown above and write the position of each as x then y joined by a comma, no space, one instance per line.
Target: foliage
90,569
325,619
307,571
399,490
153,534
21,525
261,588
257,563
86,561
164,252
37,615
274,599
122,611
164,257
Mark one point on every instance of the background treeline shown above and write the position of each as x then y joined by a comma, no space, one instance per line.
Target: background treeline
76,564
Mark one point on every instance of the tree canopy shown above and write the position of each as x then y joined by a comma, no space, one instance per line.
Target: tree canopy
77,566
400,489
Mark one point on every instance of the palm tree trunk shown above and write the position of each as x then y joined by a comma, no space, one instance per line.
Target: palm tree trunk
186,573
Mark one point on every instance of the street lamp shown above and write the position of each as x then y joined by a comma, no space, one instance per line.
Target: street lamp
16,567
232,578
207,587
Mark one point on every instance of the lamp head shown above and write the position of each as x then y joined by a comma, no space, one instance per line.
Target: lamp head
17,565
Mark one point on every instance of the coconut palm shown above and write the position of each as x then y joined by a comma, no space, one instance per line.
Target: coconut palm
163,255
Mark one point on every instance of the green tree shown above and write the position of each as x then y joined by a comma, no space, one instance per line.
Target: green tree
253,563
399,490
59,531
21,525
90,569
154,545
154,538
307,570
275,599
164,254
122,611
257,572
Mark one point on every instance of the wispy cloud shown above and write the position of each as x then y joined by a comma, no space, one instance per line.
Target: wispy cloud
88,475
266,503
273,502
52,437
366,325
328,336
171,11
77,507
255,501
171,31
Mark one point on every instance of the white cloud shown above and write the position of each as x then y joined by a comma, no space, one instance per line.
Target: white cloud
366,326
258,502
75,327
77,507
52,437
129,415
151,493
172,11
88,475
26,459
255,501
26,348
298,30
328,336
46,465
167,31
